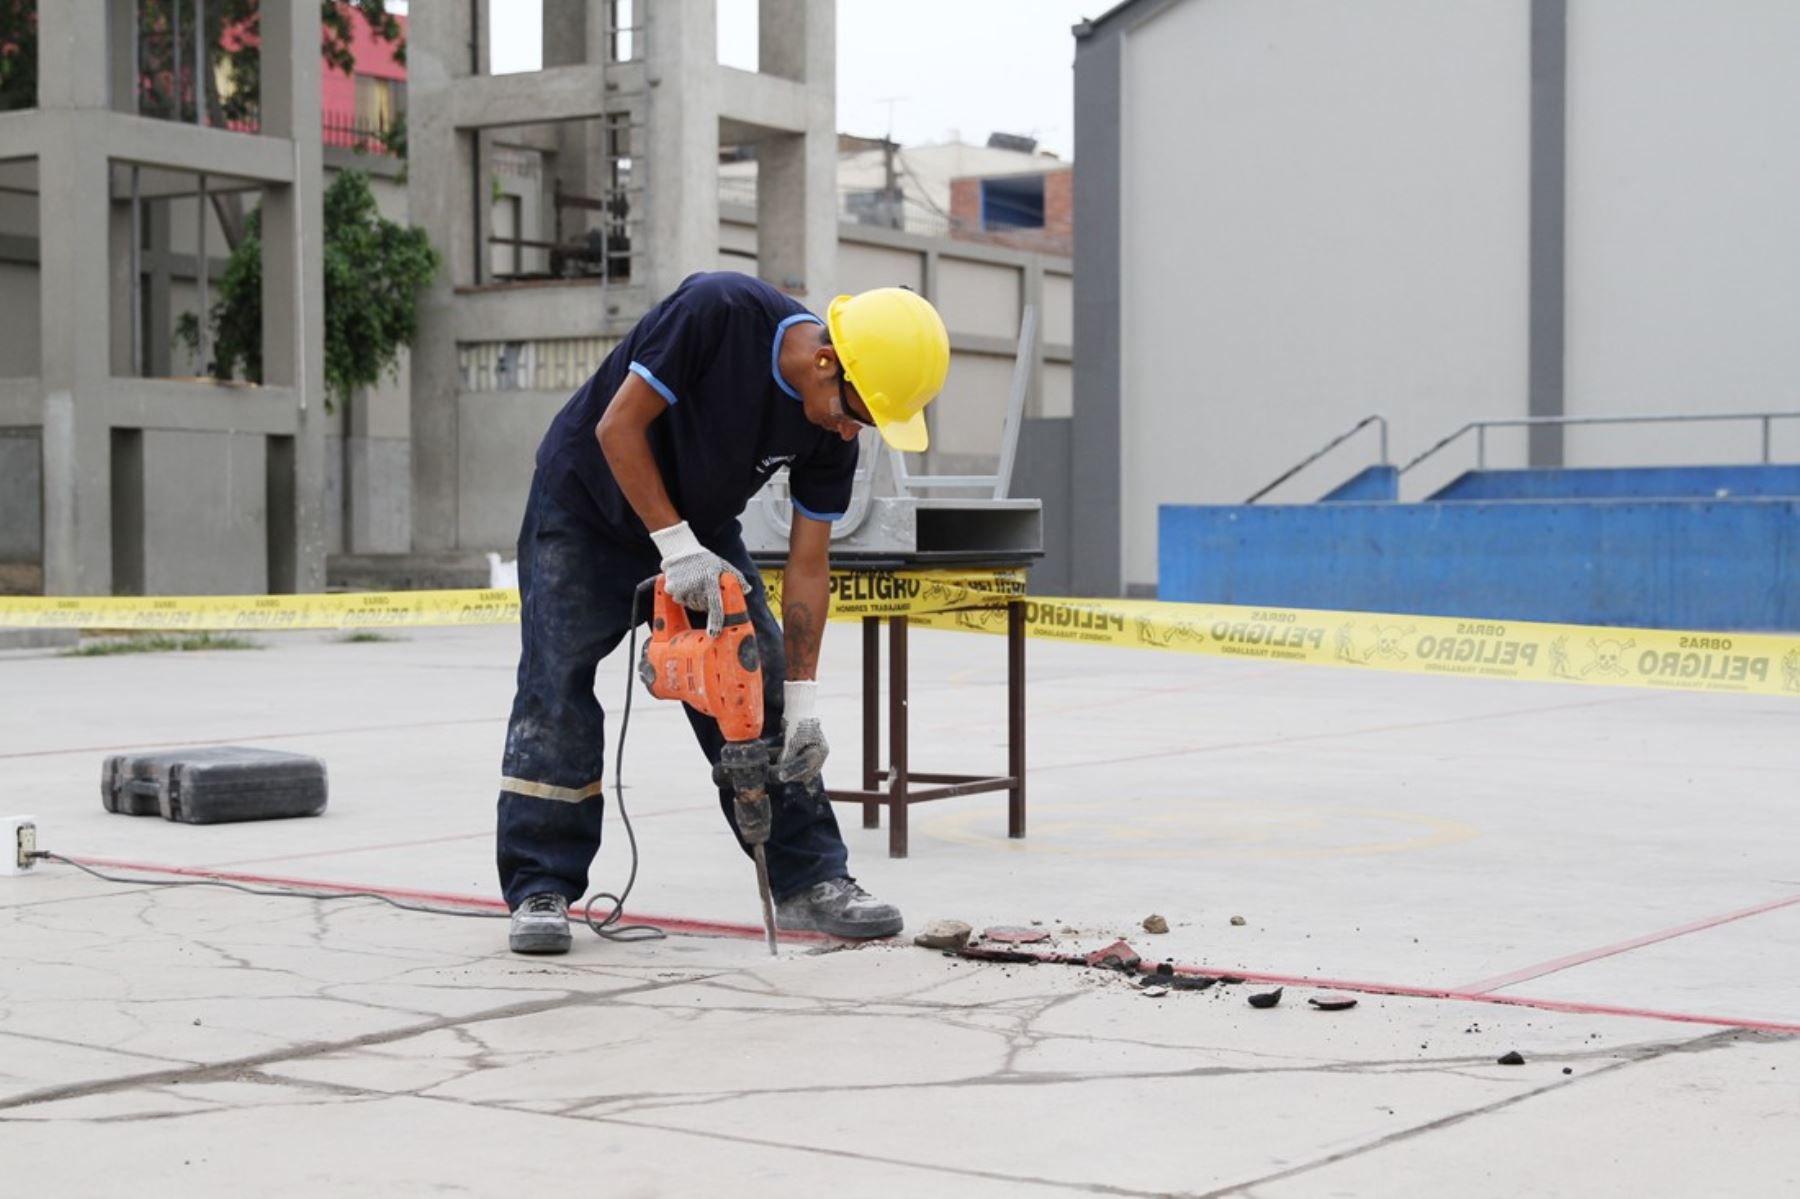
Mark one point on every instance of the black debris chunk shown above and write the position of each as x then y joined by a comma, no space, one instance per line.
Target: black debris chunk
1513,1058
1266,998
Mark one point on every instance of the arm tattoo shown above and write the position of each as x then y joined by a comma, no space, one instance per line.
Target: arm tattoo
800,632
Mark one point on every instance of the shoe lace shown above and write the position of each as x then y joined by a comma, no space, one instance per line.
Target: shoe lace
850,889
545,902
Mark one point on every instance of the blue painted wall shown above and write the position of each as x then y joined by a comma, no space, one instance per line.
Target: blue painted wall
1637,482
1702,564
1370,483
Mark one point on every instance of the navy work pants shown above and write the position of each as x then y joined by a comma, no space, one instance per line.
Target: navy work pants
576,587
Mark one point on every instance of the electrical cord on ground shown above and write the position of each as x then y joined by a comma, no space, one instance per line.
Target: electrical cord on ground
608,927
274,893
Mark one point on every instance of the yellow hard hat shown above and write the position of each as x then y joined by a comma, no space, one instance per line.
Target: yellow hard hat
893,348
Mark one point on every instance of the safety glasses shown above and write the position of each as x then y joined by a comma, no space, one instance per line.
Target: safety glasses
844,410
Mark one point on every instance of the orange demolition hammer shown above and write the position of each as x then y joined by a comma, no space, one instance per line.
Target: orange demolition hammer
722,678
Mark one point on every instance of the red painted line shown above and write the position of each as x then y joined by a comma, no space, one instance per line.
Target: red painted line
1502,981
1406,991
671,924
1465,996
712,928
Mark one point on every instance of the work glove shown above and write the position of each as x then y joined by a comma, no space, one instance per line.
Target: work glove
691,574
804,750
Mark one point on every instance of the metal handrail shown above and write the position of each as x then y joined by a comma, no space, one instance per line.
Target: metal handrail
998,483
1482,426
1334,443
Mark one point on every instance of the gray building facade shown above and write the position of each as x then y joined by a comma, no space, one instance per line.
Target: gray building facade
1292,215
104,454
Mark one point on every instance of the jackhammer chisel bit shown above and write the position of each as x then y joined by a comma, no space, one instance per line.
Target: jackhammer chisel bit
745,766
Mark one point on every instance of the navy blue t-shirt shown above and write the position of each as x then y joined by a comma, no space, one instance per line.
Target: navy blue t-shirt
711,350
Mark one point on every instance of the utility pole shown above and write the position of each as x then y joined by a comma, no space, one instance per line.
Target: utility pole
892,199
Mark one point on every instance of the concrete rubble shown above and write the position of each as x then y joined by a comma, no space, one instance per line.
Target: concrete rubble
193,1042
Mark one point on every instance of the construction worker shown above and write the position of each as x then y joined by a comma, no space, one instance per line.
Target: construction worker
646,469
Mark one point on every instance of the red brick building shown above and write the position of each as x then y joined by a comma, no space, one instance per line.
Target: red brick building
1032,211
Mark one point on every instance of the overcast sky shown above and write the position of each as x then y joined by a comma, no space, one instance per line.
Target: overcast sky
939,70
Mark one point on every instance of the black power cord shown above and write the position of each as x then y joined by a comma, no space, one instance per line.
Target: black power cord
275,893
608,927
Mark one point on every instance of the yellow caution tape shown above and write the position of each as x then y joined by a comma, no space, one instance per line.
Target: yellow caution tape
343,610
1749,663
976,601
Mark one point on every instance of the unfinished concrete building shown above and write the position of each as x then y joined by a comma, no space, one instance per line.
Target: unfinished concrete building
564,201
623,125
114,475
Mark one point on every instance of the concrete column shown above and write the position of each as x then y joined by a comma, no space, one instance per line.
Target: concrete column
440,165
575,35
1546,319
121,24
74,355
159,318
681,164
294,287
796,175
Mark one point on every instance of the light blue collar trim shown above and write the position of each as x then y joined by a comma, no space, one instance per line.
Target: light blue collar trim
775,350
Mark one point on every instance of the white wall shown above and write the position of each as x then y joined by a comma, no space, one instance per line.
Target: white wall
1324,215
1683,224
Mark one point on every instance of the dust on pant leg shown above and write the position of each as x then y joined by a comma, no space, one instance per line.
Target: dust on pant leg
575,606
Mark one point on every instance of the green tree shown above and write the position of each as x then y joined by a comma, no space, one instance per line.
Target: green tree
18,54
233,29
373,271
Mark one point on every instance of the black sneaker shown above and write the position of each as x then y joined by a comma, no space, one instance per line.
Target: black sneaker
841,908
541,925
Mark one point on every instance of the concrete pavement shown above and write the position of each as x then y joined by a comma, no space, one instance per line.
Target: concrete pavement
1601,851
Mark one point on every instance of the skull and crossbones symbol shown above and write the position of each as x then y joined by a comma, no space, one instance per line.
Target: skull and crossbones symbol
1606,657
1387,643
982,620
1184,630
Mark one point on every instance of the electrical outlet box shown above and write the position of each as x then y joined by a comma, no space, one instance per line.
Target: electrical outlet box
18,841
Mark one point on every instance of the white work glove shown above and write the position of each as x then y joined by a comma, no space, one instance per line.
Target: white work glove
804,750
691,574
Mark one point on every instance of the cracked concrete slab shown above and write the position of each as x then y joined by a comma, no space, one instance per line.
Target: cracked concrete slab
1424,832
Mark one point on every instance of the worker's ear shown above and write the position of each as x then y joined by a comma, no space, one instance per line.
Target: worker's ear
826,360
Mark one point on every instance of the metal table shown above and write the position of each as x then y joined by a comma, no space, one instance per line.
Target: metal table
897,785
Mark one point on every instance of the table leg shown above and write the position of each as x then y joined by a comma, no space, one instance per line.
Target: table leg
871,716
897,736
1015,716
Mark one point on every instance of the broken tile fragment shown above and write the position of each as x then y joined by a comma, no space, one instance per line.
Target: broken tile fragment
1015,936
944,934
1333,1002
1117,956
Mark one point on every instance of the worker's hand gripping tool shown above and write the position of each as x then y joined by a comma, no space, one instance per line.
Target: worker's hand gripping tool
721,677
